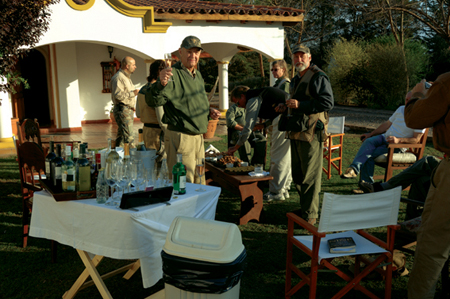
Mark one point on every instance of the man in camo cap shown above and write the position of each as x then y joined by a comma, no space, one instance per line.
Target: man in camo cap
180,89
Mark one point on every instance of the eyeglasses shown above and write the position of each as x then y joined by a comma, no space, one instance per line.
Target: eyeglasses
274,70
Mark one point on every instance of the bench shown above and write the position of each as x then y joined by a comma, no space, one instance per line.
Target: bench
249,188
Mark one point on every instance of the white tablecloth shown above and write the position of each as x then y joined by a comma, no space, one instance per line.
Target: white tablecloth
115,233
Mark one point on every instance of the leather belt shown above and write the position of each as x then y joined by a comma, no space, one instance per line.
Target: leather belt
156,126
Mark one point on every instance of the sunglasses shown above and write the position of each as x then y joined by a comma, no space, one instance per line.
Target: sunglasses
274,70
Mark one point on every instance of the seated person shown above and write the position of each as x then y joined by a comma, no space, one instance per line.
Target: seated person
235,123
262,103
375,144
417,175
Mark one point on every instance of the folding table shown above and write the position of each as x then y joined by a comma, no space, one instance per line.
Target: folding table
108,231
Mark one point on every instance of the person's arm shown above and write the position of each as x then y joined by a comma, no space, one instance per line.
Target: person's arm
414,139
322,97
251,115
427,107
138,112
120,93
154,97
159,115
380,130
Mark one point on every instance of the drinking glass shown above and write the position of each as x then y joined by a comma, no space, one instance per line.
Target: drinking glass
200,169
168,60
124,176
110,175
258,169
141,175
289,113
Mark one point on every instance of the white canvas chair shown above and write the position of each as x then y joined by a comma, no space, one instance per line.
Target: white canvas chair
345,214
331,145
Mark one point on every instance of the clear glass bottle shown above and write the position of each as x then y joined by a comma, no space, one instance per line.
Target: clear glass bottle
56,167
48,160
163,174
102,187
113,155
68,172
179,176
141,145
83,171
75,152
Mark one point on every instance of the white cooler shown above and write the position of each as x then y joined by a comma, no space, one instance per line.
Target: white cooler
203,259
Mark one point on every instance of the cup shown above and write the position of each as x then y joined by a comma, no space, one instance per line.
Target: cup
259,168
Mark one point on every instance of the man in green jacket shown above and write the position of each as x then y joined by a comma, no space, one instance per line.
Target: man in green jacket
180,89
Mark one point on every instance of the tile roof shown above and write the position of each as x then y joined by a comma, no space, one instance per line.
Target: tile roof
215,8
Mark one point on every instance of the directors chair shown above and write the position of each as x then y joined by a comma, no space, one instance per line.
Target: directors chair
336,130
344,214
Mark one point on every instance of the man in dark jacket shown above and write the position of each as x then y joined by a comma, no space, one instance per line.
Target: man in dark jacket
311,99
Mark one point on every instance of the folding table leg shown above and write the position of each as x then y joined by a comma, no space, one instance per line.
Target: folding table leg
82,278
91,268
132,270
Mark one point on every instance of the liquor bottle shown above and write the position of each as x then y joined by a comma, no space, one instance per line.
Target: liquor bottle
94,169
179,176
83,171
113,155
126,153
68,172
75,152
48,160
56,167
141,145
102,187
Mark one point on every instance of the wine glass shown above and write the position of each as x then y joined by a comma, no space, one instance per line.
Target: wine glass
200,169
289,113
168,60
124,176
110,175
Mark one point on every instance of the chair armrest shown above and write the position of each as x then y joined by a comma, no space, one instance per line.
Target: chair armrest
412,201
403,145
303,223
32,187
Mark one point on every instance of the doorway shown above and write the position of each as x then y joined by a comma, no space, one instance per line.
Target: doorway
35,99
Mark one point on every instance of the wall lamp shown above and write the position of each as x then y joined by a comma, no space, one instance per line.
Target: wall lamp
110,50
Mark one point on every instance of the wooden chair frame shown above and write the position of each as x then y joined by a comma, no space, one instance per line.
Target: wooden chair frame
383,209
330,148
415,148
316,267
31,160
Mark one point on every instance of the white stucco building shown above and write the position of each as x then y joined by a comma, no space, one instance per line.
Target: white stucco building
65,69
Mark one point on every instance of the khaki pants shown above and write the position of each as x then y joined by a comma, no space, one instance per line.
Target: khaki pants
125,119
190,146
307,160
280,160
151,137
433,236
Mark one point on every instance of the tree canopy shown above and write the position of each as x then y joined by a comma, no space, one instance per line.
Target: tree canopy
22,24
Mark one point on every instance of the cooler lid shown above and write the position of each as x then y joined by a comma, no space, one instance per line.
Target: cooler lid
204,240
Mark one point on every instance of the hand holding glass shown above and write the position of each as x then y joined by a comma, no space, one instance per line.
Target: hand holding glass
168,61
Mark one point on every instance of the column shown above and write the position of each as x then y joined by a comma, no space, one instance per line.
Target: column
223,87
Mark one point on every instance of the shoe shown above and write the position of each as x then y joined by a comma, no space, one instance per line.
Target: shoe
349,174
358,191
286,194
312,221
269,196
366,187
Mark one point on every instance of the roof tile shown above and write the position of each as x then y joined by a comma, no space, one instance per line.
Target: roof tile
205,7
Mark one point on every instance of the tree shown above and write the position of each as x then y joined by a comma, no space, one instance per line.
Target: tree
22,24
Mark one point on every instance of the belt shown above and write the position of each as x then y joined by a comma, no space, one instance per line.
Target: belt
156,126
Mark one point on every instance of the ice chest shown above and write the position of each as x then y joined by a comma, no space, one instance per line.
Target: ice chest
203,259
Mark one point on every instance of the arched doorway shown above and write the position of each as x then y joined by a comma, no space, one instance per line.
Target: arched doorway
35,99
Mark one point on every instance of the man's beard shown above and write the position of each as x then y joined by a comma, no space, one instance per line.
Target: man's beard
300,67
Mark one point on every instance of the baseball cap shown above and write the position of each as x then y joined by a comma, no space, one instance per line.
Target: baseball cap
191,42
300,48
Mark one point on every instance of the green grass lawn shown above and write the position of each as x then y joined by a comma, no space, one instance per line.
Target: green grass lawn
28,273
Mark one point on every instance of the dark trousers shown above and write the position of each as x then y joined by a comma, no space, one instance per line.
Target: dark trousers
307,159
